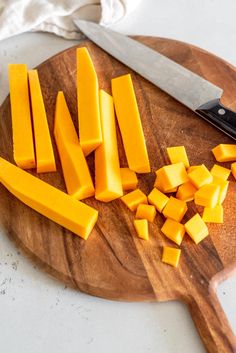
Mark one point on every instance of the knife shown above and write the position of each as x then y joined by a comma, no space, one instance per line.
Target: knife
196,93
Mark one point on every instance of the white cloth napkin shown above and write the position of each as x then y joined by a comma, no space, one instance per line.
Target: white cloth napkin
56,16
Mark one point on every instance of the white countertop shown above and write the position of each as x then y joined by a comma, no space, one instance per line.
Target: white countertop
40,315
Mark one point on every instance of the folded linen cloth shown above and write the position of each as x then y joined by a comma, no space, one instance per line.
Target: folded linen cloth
56,16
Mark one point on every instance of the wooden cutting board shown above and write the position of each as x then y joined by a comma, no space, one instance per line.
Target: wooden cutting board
114,263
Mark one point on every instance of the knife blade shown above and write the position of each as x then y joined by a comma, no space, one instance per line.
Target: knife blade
192,90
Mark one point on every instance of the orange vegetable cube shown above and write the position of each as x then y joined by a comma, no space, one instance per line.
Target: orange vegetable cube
220,172
192,167
233,168
178,154
141,226
146,212
196,228
173,230
207,195
129,179
158,199
159,185
159,180
172,175
223,184
213,215
168,191
175,209
171,256
225,152
200,176
186,191
133,199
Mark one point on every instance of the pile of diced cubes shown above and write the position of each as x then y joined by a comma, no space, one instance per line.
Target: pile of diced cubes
207,188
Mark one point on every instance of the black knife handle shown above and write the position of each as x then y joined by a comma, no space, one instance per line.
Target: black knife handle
220,116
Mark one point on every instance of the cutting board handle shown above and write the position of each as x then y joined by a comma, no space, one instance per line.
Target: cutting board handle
211,322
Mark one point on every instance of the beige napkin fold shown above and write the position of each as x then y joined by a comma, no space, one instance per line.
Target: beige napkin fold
56,16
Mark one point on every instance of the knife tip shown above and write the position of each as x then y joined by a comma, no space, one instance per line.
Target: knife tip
82,24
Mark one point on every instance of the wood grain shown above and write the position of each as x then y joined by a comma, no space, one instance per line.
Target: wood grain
114,263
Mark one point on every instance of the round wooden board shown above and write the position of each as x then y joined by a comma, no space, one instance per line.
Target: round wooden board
114,263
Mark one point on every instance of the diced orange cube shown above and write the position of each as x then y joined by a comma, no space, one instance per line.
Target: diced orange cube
223,184
158,182
172,175
233,168
173,230
146,212
200,176
133,199
175,209
158,199
225,153
141,226
207,195
186,192
192,167
169,191
220,172
160,185
129,179
196,228
178,154
213,215
171,256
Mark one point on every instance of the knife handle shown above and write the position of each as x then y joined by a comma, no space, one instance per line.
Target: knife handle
220,116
